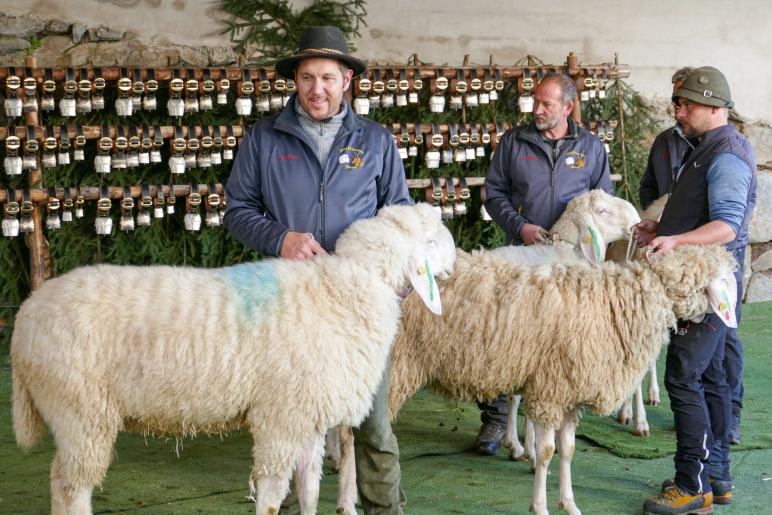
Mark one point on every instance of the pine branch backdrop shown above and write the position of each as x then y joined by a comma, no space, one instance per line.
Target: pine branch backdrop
272,27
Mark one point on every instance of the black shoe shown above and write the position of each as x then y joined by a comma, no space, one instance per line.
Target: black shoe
734,431
489,438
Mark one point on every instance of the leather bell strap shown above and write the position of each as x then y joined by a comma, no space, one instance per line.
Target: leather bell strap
418,133
31,145
158,139
418,82
247,86
147,142
436,140
64,138
450,189
403,84
391,82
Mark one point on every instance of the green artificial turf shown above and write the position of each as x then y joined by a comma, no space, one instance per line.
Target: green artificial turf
756,334
440,472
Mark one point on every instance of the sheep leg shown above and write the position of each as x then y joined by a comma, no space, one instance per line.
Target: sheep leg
625,414
308,474
566,447
653,384
530,445
347,475
332,449
271,491
545,448
83,454
511,440
641,424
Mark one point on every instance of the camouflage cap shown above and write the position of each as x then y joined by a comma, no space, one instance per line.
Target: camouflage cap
708,86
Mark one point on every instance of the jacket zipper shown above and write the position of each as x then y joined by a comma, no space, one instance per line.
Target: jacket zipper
341,134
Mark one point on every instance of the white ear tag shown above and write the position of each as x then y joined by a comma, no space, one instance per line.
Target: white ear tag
722,293
592,244
425,285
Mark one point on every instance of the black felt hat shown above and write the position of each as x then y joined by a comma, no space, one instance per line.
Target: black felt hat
326,42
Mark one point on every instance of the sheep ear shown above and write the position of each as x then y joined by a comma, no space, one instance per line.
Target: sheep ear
722,294
424,283
592,244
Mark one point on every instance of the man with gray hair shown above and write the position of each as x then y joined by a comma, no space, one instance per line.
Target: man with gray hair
536,170
666,154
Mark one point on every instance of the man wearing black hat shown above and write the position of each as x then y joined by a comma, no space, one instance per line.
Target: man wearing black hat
300,178
711,201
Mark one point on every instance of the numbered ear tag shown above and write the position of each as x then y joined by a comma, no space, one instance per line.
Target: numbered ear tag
592,244
425,285
722,294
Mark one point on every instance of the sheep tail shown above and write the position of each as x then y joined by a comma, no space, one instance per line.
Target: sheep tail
27,423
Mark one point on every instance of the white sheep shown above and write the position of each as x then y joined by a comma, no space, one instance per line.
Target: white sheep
286,348
565,335
595,218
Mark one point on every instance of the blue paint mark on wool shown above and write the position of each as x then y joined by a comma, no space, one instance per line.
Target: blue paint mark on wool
255,283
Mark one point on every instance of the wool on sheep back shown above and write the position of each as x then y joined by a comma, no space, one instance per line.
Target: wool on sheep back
557,333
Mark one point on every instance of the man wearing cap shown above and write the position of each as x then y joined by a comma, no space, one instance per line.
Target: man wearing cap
300,178
711,201
665,159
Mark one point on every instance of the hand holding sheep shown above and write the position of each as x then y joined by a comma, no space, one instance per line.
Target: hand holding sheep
300,245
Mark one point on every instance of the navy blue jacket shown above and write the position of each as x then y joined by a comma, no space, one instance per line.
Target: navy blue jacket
277,183
665,158
526,183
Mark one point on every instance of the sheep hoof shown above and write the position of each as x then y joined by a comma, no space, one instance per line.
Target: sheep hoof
346,510
569,507
642,431
539,510
516,452
624,420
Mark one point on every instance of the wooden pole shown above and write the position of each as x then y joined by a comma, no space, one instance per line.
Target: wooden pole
39,253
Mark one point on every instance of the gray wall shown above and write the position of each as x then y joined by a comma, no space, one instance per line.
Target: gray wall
654,37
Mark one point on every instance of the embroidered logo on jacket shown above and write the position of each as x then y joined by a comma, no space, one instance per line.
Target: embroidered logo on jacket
351,158
575,159
287,158
529,158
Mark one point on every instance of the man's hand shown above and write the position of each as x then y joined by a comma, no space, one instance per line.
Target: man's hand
663,244
300,245
531,234
645,231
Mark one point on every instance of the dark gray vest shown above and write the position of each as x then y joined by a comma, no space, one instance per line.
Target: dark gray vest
687,207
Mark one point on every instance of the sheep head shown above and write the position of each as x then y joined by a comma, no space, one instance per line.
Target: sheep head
596,218
402,243
687,271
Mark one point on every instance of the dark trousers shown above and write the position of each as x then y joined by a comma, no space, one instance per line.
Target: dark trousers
733,365
734,352
700,399
495,411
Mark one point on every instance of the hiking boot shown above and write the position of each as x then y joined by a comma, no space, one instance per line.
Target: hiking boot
722,491
674,501
734,430
489,438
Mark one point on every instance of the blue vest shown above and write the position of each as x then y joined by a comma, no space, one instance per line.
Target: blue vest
687,208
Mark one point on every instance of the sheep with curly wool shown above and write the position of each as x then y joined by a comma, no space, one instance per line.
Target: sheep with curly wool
565,335
286,348
594,217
